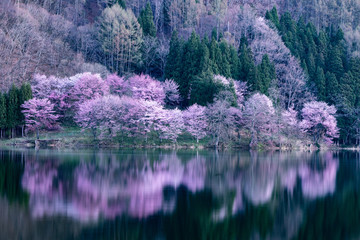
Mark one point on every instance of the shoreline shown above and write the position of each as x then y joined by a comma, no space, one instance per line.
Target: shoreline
61,143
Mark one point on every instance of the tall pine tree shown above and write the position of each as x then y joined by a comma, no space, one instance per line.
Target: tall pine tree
146,20
12,109
3,118
320,83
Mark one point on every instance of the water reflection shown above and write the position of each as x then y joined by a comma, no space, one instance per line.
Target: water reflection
108,186
221,195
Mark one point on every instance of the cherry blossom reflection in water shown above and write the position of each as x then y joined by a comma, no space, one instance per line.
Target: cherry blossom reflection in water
104,190
108,187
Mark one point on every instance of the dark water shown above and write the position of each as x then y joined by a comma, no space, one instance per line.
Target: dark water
98,194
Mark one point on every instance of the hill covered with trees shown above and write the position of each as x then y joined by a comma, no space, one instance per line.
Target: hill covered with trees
275,72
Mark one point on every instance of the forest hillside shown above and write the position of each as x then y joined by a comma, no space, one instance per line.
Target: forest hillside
289,60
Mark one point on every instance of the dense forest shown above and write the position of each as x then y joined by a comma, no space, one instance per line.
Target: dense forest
274,71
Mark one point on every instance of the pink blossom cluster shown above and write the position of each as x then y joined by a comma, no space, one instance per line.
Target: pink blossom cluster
138,105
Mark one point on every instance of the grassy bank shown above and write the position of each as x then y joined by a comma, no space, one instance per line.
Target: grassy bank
74,137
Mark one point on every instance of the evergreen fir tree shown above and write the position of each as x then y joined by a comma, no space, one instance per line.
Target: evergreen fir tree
320,83
346,89
215,56
224,65
252,78
204,56
190,64
174,57
166,16
332,87
146,20
334,62
203,89
245,59
3,123
266,73
12,108
355,72
273,16
234,63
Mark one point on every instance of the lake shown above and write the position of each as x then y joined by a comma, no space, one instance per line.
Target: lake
164,194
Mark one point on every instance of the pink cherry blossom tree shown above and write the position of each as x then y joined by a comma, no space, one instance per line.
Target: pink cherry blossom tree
195,121
146,88
220,121
111,115
241,90
319,121
89,86
39,114
172,124
172,96
153,118
258,117
290,123
118,85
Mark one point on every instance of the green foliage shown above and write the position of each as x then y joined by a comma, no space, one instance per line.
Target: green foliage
320,83
346,89
273,16
188,62
12,107
120,38
332,86
146,20
324,57
266,74
3,123
203,89
193,63
334,62
121,3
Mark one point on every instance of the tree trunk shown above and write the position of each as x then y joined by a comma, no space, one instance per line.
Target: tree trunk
22,130
37,133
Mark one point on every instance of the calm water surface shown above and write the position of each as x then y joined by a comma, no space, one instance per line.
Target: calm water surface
153,194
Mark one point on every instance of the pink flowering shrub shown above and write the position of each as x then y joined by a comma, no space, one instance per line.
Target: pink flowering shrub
319,121
39,114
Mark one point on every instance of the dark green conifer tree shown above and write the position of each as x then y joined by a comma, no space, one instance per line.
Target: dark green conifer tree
346,89
12,109
355,72
204,88
174,57
190,65
224,65
266,73
146,20
273,16
334,62
215,56
332,87
320,83
234,63
245,59
3,118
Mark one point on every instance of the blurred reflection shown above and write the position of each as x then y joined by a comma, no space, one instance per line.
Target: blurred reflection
266,193
108,187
